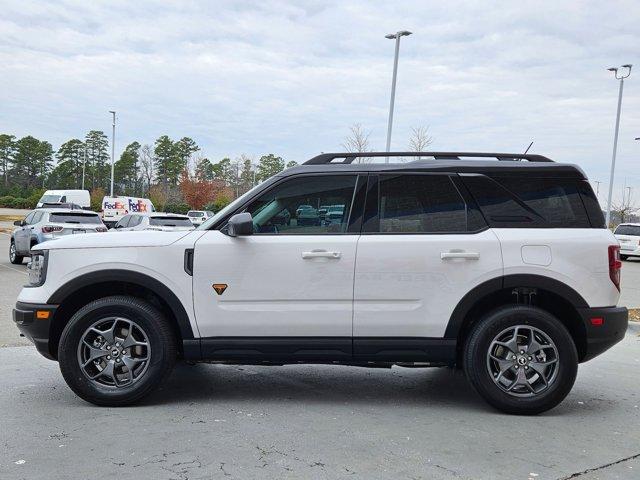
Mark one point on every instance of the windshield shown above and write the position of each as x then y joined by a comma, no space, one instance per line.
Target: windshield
170,222
628,230
50,199
74,218
238,201
195,214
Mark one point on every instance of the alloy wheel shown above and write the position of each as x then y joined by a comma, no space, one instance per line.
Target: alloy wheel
523,361
114,352
12,252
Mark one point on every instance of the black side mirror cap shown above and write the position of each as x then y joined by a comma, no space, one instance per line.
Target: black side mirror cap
241,224
19,223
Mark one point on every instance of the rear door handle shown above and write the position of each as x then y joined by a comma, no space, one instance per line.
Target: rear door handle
320,254
460,254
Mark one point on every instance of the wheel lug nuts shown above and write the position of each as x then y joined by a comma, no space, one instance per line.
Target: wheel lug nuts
517,367
108,357
526,367
117,344
530,358
521,352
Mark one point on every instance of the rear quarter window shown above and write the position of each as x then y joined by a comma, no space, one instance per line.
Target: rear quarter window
529,202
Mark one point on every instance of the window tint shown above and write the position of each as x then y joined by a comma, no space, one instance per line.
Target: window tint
123,222
29,218
628,230
420,204
134,221
293,207
37,217
170,222
74,218
529,201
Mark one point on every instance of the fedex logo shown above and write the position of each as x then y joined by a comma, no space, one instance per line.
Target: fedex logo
113,206
137,206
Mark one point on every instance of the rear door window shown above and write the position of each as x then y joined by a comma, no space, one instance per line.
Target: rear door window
420,203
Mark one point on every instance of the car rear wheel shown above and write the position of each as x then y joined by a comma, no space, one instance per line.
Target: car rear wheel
13,254
116,350
521,360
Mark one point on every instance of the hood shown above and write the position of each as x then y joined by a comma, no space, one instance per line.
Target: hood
114,240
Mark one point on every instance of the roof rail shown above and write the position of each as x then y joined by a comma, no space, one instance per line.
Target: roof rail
349,157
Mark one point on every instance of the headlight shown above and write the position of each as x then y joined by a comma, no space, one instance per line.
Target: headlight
37,268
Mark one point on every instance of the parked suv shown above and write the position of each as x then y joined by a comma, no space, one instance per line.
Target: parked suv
47,224
158,221
499,264
628,234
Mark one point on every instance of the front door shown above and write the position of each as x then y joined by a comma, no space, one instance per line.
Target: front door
290,284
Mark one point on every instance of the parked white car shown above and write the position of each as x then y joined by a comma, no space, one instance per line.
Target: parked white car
502,267
628,234
158,221
198,217
115,208
78,197
48,224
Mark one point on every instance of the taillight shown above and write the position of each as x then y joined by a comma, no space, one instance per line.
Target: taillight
51,229
615,265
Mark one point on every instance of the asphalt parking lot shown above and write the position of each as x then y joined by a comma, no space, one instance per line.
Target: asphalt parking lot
316,422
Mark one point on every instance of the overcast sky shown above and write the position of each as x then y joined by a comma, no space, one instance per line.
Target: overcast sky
290,77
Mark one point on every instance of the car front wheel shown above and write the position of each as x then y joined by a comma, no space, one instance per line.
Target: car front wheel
116,350
521,360
13,254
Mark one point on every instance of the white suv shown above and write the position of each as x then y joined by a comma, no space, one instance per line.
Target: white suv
628,234
504,268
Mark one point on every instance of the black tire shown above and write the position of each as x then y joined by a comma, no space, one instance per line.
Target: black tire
476,363
161,340
13,254
624,257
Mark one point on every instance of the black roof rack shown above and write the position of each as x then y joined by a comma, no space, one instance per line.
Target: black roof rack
325,158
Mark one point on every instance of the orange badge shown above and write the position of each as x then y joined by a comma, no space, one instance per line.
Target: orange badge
219,288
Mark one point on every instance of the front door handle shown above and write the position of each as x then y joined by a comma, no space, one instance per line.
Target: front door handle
459,254
320,254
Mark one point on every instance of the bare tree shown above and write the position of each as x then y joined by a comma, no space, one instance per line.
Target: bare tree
625,208
419,139
357,140
147,166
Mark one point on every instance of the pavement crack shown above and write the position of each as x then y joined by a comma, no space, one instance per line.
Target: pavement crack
601,467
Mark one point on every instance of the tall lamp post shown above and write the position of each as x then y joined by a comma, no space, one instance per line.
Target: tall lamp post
113,149
619,76
393,36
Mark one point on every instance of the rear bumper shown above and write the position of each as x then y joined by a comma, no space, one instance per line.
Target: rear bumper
33,328
600,338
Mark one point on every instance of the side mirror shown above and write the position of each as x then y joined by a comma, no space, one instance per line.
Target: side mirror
240,224
19,223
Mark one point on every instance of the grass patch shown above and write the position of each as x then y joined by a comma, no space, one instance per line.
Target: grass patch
11,218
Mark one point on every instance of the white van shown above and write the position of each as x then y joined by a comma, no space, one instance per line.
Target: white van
79,197
114,208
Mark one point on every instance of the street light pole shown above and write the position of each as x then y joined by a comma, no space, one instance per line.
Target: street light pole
620,77
113,149
396,37
84,162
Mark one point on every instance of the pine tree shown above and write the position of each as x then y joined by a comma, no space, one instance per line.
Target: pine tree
7,152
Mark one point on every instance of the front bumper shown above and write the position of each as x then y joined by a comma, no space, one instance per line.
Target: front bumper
35,329
605,333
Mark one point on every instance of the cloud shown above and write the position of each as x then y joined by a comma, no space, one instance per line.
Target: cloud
290,77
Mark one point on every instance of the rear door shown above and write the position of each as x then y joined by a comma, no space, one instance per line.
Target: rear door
424,246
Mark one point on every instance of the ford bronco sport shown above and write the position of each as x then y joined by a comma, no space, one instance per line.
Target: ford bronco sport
497,263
